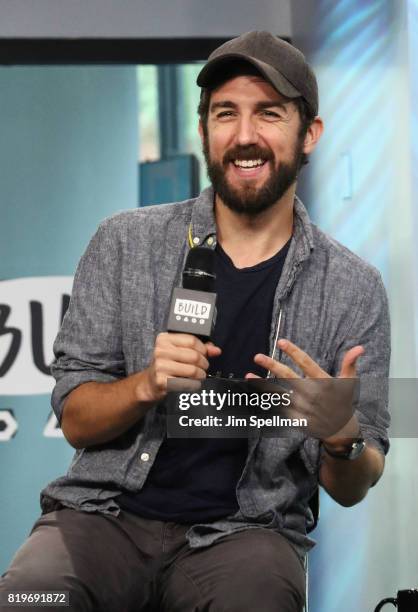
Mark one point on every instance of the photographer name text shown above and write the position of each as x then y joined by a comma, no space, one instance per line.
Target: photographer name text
234,421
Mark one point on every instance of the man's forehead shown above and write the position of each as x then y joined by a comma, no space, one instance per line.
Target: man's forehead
238,84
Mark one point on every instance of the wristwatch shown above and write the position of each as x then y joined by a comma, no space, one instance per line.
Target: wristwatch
351,452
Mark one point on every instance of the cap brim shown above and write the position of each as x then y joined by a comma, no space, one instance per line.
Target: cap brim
210,73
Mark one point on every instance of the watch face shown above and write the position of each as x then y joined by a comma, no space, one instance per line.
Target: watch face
356,449
352,452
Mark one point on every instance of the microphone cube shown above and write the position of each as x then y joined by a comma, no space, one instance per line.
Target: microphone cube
192,312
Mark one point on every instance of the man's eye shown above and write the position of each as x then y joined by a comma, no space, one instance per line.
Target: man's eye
224,114
270,114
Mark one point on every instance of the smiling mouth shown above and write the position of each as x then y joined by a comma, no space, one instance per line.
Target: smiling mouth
249,163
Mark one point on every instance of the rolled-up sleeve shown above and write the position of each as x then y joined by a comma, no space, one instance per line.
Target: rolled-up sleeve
89,344
370,328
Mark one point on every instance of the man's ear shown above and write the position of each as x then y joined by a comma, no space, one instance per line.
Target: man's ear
313,135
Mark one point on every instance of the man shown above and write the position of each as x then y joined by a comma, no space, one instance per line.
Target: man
142,522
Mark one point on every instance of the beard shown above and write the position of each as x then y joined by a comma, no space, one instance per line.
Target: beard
248,199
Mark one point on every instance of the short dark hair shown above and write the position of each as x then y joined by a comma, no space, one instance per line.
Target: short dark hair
303,108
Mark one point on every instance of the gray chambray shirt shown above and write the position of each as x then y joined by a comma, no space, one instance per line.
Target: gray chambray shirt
330,300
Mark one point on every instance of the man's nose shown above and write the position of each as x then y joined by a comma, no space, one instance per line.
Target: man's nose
247,131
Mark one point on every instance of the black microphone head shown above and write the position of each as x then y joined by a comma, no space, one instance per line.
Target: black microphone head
199,270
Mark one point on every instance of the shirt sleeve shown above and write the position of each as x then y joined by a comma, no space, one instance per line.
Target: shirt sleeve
370,328
88,346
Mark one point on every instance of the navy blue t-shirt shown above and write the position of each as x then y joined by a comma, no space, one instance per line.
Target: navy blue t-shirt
194,480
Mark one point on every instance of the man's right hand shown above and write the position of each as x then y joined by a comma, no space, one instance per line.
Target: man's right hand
96,412
175,356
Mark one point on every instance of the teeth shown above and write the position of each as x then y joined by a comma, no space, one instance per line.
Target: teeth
248,163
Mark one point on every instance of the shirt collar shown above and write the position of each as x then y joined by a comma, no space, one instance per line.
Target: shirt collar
302,230
203,225
202,230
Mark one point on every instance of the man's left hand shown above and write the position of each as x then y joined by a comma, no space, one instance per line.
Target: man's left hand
325,403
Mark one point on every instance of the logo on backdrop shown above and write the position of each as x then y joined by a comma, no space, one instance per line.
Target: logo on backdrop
8,425
31,312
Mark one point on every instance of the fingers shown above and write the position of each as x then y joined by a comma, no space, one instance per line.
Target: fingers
311,369
212,350
181,355
275,367
178,356
167,339
175,350
308,366
348,367
167,368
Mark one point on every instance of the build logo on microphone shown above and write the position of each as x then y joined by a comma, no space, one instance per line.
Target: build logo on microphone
192,310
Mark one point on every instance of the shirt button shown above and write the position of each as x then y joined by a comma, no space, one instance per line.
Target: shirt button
145,457
196,240
210,241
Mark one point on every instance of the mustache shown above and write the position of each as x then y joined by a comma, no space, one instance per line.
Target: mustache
250,152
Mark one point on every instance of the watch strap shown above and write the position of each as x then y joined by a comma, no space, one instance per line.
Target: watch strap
354,450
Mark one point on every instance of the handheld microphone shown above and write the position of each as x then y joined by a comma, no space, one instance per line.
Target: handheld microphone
193,306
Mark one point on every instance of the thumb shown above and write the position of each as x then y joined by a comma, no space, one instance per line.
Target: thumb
348,367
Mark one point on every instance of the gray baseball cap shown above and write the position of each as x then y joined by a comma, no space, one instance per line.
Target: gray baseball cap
279,62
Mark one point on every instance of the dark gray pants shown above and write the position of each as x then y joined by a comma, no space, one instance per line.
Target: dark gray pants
130,564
